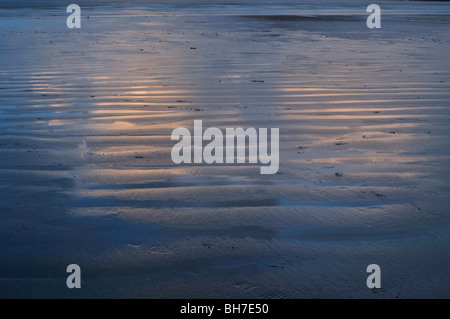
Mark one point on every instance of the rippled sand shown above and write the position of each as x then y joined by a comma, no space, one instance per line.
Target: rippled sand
86,175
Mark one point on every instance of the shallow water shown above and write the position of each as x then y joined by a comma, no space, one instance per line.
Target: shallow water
86,175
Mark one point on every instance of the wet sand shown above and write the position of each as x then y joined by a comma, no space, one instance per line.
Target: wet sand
86,174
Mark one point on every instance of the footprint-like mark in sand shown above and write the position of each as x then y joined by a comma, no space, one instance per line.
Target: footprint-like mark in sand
274,295
245,286
83,149
160,250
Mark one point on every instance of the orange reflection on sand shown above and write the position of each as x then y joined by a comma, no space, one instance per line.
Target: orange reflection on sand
130,111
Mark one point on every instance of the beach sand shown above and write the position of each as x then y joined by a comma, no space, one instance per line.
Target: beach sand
86,175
